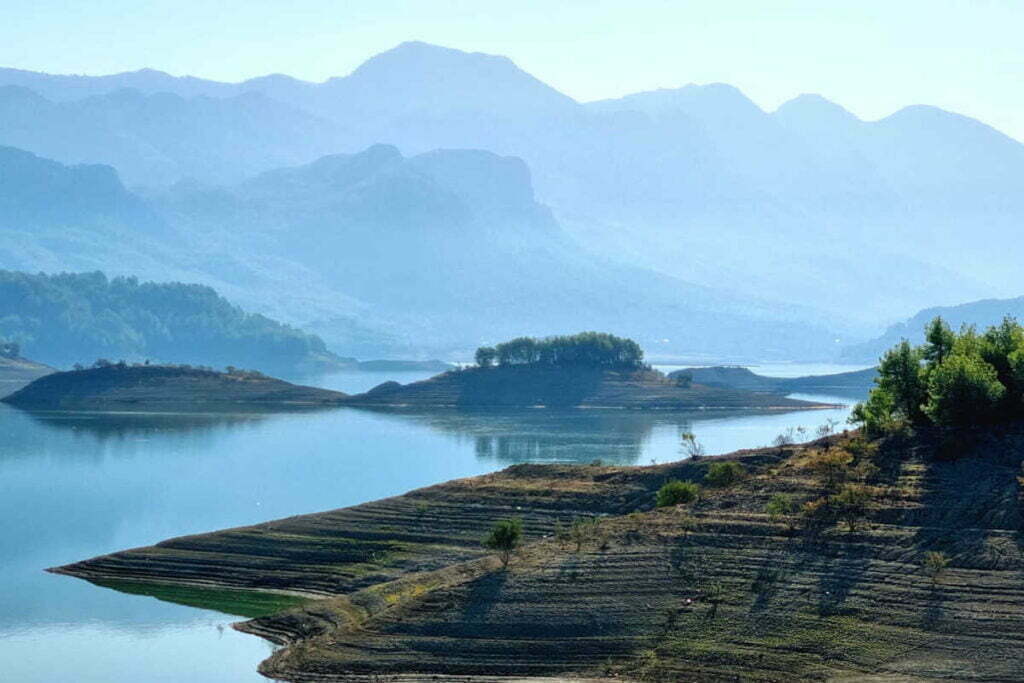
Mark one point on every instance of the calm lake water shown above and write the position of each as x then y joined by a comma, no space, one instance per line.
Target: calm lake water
73,486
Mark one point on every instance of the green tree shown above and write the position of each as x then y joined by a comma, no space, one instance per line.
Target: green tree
677,492
1001,347
963,390
939,340
485,356
504,538
724,474
899,375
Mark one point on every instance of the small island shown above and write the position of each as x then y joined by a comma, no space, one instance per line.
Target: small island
120,386
586,370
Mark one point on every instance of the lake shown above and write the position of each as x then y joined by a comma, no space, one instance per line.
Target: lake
76,485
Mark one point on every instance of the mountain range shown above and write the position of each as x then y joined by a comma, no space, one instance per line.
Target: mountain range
807,205
426,253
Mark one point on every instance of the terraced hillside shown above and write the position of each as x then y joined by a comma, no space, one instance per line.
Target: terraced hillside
716,590
524,387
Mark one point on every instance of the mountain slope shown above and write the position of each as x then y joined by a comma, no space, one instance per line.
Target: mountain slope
68,318
452,247
981,314
161,138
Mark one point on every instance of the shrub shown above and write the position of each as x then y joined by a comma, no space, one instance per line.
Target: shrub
934,564
690,446
851,504
833,466
584,529
504,538
780,506
677,492
723,474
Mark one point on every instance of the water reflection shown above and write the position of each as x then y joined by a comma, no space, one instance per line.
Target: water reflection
581,436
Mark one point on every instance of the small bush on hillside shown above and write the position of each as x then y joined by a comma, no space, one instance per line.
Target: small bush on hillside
724,474
851,504
833,466
934,565
504,538
781,506
677,492
690,446
584,529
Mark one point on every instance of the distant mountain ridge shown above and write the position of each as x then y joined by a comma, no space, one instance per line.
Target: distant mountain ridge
696,182
981,314
450,246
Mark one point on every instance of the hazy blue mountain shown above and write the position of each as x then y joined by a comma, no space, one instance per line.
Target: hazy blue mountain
438,252
77,318
979,313
806,204
66,88
161,138
450,248
56,218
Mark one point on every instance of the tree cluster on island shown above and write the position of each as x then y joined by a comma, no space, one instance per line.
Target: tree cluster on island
586,349
954,380
170,369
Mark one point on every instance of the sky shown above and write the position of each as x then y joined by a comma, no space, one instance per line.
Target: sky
871,56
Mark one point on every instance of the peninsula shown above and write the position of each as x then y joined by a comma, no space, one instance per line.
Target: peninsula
840,558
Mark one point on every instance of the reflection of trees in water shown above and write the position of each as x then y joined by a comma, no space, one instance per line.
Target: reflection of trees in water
513,448
614,437
120,426
94,436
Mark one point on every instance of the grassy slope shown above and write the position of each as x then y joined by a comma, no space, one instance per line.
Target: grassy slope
413,594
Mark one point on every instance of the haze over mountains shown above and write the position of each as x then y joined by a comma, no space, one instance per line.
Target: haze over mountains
807,205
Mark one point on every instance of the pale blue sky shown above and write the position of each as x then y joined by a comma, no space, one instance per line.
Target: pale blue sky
871,56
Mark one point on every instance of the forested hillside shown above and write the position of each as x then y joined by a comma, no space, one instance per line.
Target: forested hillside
77,318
